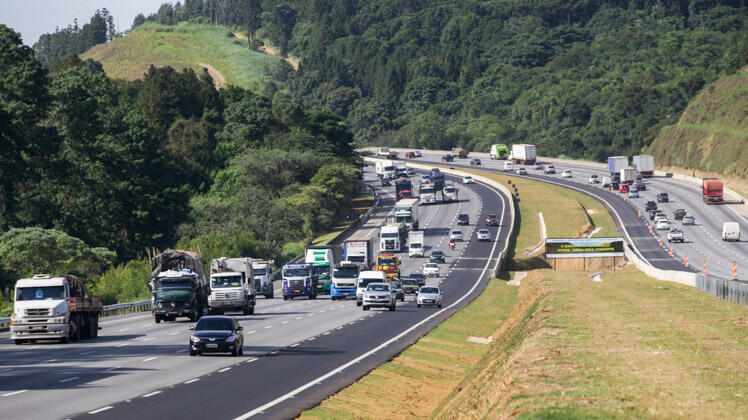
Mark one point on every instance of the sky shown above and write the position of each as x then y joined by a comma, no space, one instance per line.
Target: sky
32,18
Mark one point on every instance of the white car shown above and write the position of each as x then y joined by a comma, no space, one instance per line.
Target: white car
467,180
660,216
418,154
431,270
508,166
566,174
522,171
593,179
634,194
484,235
429,296
456,235
663,224
380,295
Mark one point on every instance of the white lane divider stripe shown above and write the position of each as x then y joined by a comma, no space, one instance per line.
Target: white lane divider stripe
121,345
99,410
151,394
174,333
68,379
191,381
13,393
150,358
224,369
113,368
251,360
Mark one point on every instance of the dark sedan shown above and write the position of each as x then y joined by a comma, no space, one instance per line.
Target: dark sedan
437,256
492,220
651,205
410,286
448,158
475,162
217,334
463,219
662,198
419,278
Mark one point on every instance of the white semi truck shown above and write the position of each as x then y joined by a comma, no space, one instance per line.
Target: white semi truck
357,249
386,169
53,307
645,164
406,211
628,175
389,238
450,194
523,154
231,286
427,194
415,244
262,273
401,169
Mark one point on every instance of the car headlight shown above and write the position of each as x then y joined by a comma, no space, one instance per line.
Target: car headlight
58,320
231,338
194,339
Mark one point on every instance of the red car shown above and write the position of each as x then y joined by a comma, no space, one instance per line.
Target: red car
410,155
492,220
623,188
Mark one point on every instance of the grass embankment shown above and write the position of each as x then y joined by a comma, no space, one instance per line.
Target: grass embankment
183,46
361,205
712,134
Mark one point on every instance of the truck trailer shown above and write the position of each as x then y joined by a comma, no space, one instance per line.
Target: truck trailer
712,190
615,164
53,307
231,286
523,154
627,175
178,285
357,249
645,164
460,152
415,244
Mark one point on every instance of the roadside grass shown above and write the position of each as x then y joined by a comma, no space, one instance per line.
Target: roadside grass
325,238
411,384
183,46
627,347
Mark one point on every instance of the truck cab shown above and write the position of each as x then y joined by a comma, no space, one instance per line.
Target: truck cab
389,264
53,307
230,291
406,212
344,276
175,296
499,151
389,238
450,194
261,274
415,244
427,194
298,280
322,259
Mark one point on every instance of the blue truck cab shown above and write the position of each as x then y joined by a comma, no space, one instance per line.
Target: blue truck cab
298,280
344,276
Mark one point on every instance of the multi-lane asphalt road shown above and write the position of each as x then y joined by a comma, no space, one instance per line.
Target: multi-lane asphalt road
296,352
703,240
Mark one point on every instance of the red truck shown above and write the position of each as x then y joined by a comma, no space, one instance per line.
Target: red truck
711,190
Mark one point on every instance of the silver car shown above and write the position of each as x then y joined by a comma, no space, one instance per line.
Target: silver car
456,235
484,235
688,220
522,171
380,295
429,296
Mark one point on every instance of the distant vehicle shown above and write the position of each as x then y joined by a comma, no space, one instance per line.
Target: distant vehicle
456,235
217,334
386,182
623,188
410,171
640,185
299,280
415,243
711,190
523,154
662,198
731,231
410,286
663,224
606,181
403,189
231,286
386,153
644,164
537,166
651,205
410,155
429,295
688,220
450,194
521,171
593,179
425,179
399,291
463,219
431,270
654,213
678,214
467,179
549,169
418,153
508,166
676,235
406,212
448,158
634,193
179,286
427,193
380,295
437,256
418,278
615,164
475,162
460,152
627,175
484,235
614,185
499,151
386,169
492,220
364,279
660,216
344,277
566,174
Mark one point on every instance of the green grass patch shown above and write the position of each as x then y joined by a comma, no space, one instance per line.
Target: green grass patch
325,238
183,46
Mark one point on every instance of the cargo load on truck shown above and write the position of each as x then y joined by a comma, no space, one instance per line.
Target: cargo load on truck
523,154
460,152
615,164
415,244
406,211
499,151
53,307
627,175
178,285
357,249
645,164
712,190
231,287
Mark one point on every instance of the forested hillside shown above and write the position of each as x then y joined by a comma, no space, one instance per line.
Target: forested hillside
94,171
584,79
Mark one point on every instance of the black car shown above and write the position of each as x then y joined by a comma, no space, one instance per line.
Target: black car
437,256
662,198
217,334
653,213
475,162
678,214
448,158
463,219
419,278
640,185
399,291
615,185
651,205
386,182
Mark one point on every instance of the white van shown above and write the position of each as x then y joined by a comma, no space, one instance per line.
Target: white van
508,166
364,278
731,231
606,181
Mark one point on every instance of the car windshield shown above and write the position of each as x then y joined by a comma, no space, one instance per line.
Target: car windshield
429,290
431,265
259,271
386,261
456,232
214,324
462,216
483,231
378,287
491,216
295,272
321,270
41,293
409,282
226,281
181,295
345,272
468,177
416,276
437,253
427,190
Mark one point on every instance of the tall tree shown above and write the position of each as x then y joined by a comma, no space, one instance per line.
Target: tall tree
252,10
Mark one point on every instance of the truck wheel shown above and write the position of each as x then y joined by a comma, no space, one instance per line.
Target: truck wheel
18,342
234,351
392,308
92,327
251,310
193,316
358,303
76,336
157,319
245,310
332,298
285,297
366,308
193,352
95,326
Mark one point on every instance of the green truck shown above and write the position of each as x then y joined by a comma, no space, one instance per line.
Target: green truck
323,258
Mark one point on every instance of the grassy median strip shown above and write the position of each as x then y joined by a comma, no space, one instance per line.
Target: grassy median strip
413,383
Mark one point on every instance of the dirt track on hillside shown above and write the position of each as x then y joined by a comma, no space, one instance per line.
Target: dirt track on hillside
218,78
270,50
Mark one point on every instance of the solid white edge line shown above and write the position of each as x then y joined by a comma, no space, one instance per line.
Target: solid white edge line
224,369
13,393
151,394
313,382
68,379
192,380
99,410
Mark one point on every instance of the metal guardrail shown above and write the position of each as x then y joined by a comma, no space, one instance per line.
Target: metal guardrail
144,305
727,289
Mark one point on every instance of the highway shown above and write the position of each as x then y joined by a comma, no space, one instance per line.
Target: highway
296,353
703,240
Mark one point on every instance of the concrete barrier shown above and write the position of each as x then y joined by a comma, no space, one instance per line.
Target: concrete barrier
685,278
